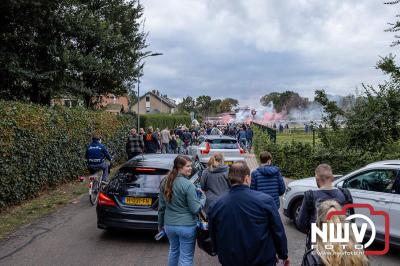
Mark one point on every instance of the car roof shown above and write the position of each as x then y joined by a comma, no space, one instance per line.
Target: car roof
384,163
219,137
156,160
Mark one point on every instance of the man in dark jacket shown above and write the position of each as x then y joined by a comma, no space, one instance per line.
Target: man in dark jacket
96,153
312,199
134,145
245,225
268,179
151,141
249,137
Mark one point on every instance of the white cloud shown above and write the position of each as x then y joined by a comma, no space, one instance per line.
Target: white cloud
239,48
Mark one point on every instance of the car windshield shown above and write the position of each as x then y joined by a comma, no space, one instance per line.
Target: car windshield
222,143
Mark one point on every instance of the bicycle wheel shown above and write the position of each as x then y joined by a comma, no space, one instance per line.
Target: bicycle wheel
94,193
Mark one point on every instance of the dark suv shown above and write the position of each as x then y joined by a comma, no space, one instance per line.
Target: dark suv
131,198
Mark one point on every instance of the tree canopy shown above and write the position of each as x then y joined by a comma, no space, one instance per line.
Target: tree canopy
77,47
284,101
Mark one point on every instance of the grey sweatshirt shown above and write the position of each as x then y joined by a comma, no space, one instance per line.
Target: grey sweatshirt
215,183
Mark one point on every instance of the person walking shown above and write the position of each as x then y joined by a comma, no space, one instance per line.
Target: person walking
312,198
151,141
187,140
177,212
245,226
134,144
214,180
319,255
173,145
242,137
249,137
267,178
165,138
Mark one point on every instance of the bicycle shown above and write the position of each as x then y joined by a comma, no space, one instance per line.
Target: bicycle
95,186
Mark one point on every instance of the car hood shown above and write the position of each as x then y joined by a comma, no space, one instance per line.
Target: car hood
305,182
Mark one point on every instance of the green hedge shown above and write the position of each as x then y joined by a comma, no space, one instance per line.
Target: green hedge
41,147
162,121
298,160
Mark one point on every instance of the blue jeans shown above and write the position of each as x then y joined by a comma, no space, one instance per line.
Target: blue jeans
182,240
103,166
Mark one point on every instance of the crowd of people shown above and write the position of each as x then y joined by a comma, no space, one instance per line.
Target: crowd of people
178,140
241,206
243,219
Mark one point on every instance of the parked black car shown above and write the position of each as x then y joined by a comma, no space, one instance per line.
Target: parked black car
130,200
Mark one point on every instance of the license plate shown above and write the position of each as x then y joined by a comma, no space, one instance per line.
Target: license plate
228,162
138,201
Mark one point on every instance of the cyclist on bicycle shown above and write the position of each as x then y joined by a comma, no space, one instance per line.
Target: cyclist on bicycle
96,153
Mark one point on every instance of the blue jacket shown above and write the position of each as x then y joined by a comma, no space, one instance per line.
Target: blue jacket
246,228
249,133
268,179
96,153
242,134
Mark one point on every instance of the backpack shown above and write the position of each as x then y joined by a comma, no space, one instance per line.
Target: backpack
310,203
309,198
149,137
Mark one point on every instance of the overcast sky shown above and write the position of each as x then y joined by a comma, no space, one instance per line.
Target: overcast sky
247,48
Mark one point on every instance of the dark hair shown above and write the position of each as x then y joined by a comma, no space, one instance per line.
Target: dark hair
237,172
179,162
96,135
265,157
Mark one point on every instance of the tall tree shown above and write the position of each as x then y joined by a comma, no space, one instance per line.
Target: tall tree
79,47
228,104
284,101
187,105
203,104
215,106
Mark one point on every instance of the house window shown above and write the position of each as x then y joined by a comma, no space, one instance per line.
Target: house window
147,98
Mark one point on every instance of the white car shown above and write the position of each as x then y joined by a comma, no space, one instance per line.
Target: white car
209,145
377,184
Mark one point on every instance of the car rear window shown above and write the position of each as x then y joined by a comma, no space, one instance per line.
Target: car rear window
143,177
222,143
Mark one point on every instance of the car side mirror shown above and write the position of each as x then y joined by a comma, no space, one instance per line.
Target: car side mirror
340,184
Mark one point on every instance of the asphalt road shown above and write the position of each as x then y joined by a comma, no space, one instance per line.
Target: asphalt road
70,237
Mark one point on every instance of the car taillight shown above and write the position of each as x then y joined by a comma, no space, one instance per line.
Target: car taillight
207,150
105,201
240,149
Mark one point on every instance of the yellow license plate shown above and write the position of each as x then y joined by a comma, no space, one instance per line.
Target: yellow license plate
228,162
138,201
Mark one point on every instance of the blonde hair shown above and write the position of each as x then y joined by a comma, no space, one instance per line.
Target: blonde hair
216,160
337,255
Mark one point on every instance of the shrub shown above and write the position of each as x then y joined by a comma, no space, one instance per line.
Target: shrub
162,121
298,160
41,147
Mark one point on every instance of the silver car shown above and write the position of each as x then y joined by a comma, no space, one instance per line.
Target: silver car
209,145
377,184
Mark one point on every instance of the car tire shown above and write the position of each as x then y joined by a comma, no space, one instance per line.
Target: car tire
295,210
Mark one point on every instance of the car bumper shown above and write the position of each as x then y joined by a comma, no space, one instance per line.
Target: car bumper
111,217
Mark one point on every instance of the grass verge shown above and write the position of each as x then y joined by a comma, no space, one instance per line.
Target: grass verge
14,217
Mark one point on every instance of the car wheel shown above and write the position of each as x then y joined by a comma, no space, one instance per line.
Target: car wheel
296,210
